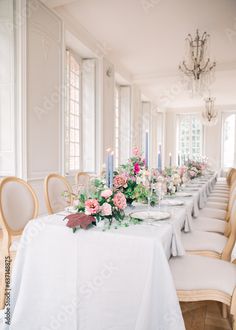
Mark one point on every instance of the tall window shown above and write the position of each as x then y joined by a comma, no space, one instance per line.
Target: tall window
229,140
122,123
73,117
190,136
80,116
117,124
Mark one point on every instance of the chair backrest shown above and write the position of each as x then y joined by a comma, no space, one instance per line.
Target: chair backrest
226,255
233,254
228,176
82,178
232,198
18,205
232,177
54,187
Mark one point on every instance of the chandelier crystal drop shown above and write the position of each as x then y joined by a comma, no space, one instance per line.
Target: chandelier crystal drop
197,66
210,113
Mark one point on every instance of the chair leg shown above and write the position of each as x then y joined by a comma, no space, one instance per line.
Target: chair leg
5,253
2,282
224,311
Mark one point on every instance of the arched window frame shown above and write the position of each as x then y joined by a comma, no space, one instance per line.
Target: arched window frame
190,117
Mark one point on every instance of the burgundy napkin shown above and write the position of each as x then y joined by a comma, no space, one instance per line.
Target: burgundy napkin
79,220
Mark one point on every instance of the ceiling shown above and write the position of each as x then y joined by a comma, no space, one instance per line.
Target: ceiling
147,38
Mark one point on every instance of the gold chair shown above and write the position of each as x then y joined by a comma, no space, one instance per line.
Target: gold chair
211,244
18,205
82,178
54,187
200,278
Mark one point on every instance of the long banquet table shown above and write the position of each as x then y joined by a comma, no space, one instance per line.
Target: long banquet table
117,279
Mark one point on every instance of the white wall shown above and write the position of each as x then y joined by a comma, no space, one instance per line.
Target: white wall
40,40
40,95
7,92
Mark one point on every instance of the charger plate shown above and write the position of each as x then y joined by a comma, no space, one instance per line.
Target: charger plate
153,215
183,194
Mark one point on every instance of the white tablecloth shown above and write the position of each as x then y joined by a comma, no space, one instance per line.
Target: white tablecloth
91,280
94,280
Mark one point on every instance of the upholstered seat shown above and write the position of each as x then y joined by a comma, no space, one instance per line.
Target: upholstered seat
213,213
221,180
203,273
216,205
219,193
220,190
15,244
209,224
204,241
218,199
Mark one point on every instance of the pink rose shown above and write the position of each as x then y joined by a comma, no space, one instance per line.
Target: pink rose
106,193
136,151
136,168
106,209
120,201
91,206
182,170
120,181
192,174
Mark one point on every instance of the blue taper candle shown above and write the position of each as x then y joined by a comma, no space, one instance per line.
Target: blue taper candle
147,148
111,169
108,167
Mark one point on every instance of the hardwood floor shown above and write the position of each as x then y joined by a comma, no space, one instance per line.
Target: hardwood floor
204,316
200,315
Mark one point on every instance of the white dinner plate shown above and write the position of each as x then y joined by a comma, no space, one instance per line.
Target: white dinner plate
172,202
191,189
153,215
183,194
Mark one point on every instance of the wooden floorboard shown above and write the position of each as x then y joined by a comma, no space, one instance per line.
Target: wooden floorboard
204,316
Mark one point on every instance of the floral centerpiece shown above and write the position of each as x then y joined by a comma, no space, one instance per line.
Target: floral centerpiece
183,173
173,179
99,204
129,178
195,169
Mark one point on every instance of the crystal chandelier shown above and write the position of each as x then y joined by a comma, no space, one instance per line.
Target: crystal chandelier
210,113
197,65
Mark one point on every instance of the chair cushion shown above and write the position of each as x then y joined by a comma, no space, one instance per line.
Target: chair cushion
219,195
218,199
15,244
209,224
203,241
220,190
203,273
221,179
216,205
213,213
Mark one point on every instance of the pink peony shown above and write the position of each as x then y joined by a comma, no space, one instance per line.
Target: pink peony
136,168
120,201
91,206
106,193
106,209
120,181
